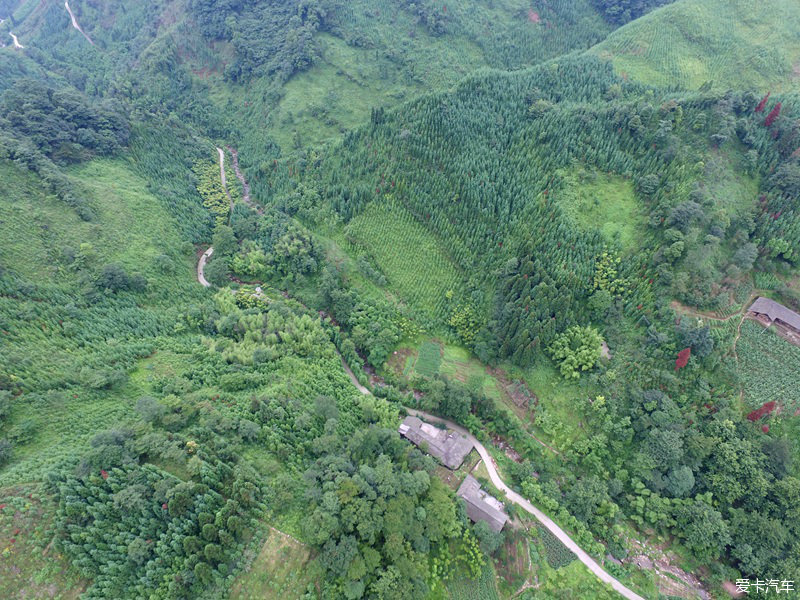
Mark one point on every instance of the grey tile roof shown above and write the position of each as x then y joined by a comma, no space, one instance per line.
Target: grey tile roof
480,505
449,447
776,312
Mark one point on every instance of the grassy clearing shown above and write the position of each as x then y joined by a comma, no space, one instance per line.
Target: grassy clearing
29,568
742,44
281,570
607,202
414,262
768,366
557,398
732,189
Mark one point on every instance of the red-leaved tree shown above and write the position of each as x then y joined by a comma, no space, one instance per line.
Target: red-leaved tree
773,115
765,409
763,103
683,358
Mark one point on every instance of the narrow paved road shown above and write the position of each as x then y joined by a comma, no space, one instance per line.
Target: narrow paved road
511,495
201,266
16,41
515,498
75,23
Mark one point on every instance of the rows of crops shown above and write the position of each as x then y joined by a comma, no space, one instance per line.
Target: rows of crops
412,260
768,368
429,359
557,554
469,589
697,41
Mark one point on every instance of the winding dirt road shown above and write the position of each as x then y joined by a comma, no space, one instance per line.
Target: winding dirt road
16,41
75,23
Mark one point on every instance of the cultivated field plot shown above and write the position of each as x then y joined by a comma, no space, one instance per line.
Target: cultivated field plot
557,554
429,359
414,263
768,366
470,589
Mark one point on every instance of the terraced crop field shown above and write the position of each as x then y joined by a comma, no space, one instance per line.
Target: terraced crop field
481,589
768,367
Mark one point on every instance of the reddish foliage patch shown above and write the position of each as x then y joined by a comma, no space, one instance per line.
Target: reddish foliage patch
773,115
683,358
533,16
765,428
763,103
103,474
767,408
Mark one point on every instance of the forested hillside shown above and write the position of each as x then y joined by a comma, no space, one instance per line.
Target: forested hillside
738,44
502,212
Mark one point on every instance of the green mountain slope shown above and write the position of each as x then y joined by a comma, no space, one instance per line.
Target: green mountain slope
65,328
532,228
731,44
294,73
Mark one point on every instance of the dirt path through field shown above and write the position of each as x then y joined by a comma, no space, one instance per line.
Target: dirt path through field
740,314
243,181
75,23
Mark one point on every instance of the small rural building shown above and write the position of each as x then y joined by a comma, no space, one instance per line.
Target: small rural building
480,505
777,314
449,447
